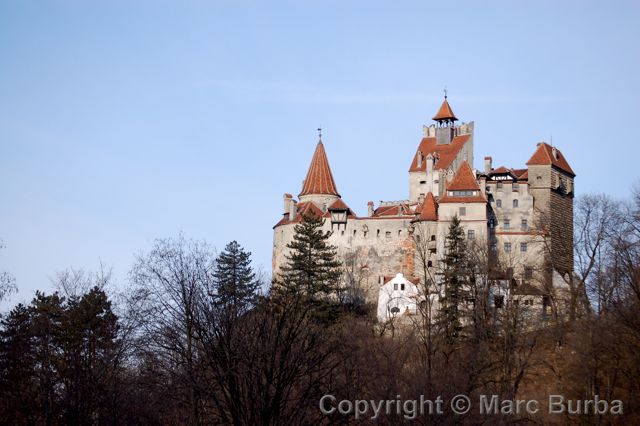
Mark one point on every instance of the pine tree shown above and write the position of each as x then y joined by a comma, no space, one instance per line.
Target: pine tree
235,280
455,280
312,267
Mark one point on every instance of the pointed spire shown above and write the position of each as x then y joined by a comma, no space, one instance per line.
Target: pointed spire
319,179
445,113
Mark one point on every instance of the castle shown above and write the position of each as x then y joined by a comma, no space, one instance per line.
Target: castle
521,217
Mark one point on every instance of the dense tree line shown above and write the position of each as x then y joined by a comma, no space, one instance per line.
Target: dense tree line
199,338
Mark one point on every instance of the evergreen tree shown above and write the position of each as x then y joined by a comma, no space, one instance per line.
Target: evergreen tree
17,368
88,339
235,281
454,277
312,267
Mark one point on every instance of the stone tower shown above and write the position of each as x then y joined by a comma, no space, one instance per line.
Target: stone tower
551,184
444,146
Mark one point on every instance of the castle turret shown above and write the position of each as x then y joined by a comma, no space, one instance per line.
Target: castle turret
443,148
319,186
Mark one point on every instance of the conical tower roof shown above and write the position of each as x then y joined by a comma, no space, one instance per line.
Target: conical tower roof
319,179
445,113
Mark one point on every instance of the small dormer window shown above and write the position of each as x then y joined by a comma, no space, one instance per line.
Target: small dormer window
338,216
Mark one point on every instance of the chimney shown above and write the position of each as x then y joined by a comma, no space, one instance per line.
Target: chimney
487,165
429,163
293,209
287,200
370,208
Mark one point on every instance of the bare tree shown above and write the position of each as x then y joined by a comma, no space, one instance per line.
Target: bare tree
168,283
7,281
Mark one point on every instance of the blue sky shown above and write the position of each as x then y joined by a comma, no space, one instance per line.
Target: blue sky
121,122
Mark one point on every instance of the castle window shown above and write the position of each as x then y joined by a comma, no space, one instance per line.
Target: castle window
395,286
471,234
462,211
378,234
524,225
498,203
523,247
422,182
515,203
498,302
469,193
507,247
354,232
528,272
429,264
433,237
387,235
401,287
399,233
494,247
499,185
342,233
506,224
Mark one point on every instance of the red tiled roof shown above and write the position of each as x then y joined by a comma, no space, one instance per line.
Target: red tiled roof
500,170
309,208
428,209
412,280
283,221
319,179
445,112
524,176
519,172
544,156
395,210
464,179
444,154
341,205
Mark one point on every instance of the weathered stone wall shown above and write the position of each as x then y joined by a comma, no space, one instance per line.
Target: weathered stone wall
553,209
562,230
380,247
